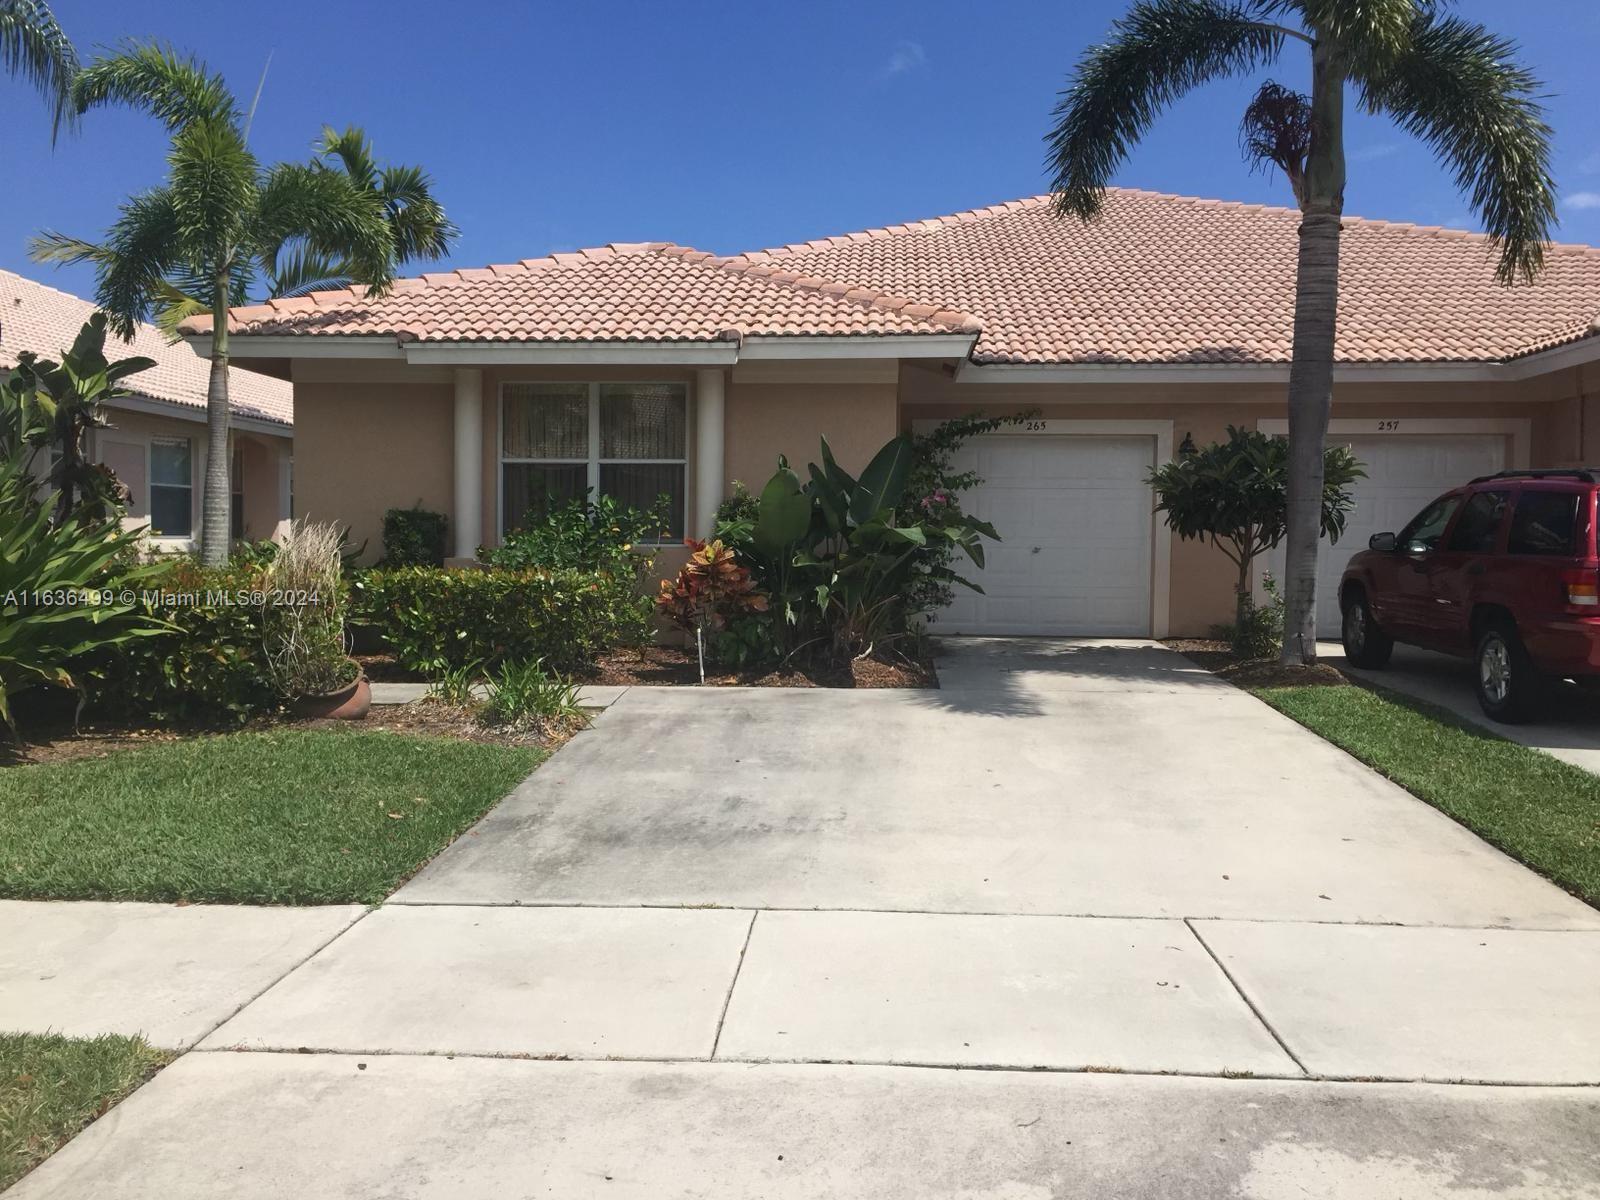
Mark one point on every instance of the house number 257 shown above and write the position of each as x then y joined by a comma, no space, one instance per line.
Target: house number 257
1388,426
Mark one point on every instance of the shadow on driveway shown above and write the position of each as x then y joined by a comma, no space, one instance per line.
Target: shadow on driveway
1029,677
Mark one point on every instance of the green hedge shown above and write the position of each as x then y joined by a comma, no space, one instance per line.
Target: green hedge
441,618
210,669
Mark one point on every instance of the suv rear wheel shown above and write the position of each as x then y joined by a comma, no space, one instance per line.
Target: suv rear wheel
1365,645
1510,687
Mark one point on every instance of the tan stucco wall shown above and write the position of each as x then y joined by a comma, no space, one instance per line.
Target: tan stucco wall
364,448
376,436
769,418
1201,580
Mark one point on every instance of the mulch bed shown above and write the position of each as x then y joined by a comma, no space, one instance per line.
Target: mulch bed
1219,658
678,665
55,740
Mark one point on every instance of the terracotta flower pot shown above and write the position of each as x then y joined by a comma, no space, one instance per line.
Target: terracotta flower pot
349,703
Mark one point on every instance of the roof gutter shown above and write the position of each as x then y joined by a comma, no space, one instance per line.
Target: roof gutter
723,352
1400,372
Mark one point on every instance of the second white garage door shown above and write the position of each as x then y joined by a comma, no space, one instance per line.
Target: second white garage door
1404,472
1075,514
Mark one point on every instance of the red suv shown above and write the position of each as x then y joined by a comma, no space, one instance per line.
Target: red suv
1503,571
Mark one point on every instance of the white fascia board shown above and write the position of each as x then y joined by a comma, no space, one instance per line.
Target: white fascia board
887,345
189,412
466,354
1221,372
1574,355
244,345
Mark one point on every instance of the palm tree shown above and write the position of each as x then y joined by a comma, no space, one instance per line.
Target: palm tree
1450,82
220,223
417,221
33,47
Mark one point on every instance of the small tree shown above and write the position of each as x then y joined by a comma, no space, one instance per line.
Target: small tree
1235,493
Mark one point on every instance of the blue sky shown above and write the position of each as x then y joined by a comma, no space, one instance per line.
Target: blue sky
726,126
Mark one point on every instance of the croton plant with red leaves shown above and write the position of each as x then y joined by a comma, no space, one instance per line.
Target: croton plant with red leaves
711,589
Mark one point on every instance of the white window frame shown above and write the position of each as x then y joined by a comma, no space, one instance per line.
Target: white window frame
150,484
593,462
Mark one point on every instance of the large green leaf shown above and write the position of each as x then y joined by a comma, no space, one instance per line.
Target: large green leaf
883,482
783,514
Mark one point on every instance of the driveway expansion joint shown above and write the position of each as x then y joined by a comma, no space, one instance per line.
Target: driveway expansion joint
722,1018
1245,996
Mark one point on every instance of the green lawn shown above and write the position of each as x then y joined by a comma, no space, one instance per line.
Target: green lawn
51,1087
283,817
1536,808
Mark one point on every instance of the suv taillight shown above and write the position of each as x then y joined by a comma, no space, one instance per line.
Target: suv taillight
1583,588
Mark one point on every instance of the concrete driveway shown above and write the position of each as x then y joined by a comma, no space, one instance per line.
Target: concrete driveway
1077,778
769,935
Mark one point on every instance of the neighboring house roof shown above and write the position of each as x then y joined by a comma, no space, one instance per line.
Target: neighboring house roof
46,321
626,292
1164,279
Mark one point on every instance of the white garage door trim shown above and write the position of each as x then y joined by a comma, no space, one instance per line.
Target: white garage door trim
1161,534
1518,430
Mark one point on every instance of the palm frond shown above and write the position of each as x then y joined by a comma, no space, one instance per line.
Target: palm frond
33,47
214,181
1458,88
421,229
416,218
298,270
154,78
332,215
353,151
141,247
1158,52
174,305
1372,30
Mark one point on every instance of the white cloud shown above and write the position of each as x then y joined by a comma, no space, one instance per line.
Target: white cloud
1583,200
906,56
1373,153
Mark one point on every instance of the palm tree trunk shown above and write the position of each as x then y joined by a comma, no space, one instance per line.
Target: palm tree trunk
216,521
1316,310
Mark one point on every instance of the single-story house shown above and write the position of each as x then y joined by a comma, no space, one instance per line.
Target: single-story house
156,443
647,368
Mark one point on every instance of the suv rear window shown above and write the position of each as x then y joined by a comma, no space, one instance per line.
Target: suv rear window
1544,523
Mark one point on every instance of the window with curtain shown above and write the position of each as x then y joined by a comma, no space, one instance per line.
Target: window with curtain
171,488
560,440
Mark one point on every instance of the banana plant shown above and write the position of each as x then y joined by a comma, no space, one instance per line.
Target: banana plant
46,404
833,557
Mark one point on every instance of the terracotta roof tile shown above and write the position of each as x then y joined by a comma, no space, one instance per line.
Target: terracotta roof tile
1161,278
631,292
42,319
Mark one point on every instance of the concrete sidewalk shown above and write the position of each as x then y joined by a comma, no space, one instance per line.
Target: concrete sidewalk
267,1126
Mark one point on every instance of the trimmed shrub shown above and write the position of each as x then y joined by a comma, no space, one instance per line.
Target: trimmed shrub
596,534
211,669
414,537
437,619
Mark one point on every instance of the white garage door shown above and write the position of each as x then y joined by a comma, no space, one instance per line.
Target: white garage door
1404,472
1075,516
